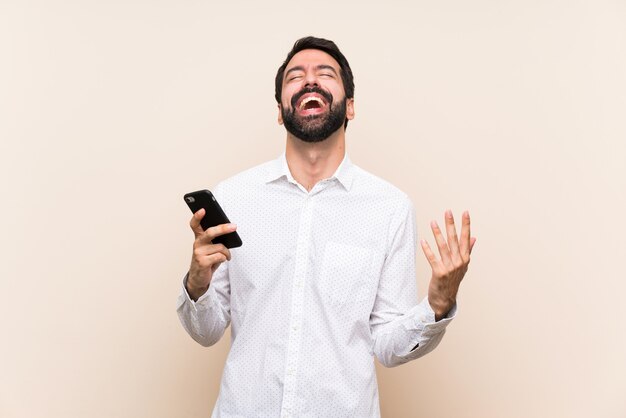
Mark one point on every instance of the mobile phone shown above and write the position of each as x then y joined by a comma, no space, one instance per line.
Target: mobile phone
213,216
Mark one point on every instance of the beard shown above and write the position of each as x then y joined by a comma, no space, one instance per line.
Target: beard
314,128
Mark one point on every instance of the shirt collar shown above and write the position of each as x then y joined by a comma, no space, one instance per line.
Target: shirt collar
279,168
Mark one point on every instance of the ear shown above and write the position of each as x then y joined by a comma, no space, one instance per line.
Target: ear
280,115
350,109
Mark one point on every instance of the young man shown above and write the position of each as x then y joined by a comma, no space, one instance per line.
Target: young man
325,278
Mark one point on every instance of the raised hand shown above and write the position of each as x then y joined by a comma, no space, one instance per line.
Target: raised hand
207,256
449,269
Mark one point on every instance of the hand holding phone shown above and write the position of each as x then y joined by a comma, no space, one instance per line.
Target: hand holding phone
214,215
209,225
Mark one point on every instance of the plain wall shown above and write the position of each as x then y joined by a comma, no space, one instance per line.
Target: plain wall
111,110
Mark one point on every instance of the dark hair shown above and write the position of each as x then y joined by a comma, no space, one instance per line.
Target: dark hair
311,42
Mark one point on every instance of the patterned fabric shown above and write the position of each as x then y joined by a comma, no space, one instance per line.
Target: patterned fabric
324,281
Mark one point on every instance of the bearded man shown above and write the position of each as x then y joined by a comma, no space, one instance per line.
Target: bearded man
325,279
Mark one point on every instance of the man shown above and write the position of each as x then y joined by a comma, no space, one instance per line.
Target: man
325,278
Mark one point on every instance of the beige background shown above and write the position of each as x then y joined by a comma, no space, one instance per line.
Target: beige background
111,110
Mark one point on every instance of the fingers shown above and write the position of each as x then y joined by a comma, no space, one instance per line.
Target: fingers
216,231
472,242
453,240
444,251
465,243
454,252
211,233
194,223
206,258
430,256
210,253
214,260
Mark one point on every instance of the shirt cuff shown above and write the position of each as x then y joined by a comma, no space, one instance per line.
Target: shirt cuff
203,301
428,329
424,315
431,313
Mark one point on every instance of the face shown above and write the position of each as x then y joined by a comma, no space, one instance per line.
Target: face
313,103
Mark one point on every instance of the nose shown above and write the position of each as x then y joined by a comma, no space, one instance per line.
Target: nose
310,79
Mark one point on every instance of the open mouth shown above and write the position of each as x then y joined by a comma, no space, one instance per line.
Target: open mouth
311,105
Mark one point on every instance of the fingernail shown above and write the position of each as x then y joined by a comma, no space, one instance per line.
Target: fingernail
232,227
449,214
433,224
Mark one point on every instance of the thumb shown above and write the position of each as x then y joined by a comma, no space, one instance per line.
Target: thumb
195,222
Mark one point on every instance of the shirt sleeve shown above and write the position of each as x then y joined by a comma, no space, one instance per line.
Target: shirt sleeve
401,329
206,319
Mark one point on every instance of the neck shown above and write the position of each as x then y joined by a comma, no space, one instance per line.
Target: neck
312,162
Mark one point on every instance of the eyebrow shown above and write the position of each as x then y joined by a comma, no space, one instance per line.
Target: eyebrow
319,67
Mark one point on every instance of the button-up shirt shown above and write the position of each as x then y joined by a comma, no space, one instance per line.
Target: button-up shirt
324,281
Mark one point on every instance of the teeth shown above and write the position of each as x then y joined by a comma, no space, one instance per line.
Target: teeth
310,99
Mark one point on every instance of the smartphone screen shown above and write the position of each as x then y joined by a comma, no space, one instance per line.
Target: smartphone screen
213,216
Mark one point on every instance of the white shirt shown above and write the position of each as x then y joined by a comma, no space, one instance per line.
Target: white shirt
324,281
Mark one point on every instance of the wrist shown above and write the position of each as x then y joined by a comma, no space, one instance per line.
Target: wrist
440,308
195,291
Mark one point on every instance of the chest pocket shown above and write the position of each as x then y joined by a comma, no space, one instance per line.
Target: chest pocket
346,276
